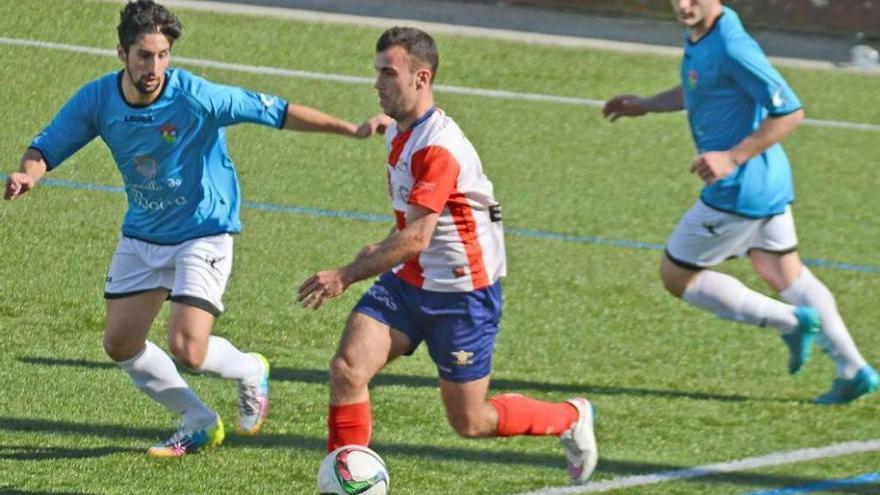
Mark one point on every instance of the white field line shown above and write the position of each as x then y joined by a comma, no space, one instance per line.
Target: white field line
321,76
494,33
775,459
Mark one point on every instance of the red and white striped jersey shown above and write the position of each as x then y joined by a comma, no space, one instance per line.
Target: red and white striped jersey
434,166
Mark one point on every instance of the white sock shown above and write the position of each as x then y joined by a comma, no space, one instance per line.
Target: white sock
729,299
225,361
808,290
154,373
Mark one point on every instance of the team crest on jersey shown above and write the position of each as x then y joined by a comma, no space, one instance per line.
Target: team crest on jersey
146,166
693,78
169,133
462,357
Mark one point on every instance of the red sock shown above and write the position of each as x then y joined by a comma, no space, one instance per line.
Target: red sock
521,415
349,424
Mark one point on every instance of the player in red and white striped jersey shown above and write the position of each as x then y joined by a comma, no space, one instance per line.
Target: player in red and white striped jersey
440,271
433,165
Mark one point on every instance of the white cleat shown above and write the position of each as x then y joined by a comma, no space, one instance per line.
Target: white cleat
253,401
579,443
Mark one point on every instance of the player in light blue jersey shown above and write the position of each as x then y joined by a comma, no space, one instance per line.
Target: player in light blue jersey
166,131
740,109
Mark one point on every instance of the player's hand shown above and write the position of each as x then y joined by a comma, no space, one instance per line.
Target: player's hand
376,125
319,288
713,166
624,106
17,184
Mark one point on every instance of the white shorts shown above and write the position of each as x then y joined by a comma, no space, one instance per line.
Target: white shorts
705,236
195,272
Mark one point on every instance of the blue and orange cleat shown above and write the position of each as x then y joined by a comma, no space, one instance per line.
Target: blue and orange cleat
845,390
253,400
800,340
187,441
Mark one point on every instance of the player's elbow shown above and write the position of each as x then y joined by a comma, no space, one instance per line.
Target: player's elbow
416,242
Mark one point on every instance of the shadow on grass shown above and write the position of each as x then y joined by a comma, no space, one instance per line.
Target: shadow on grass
320,376
34,453
11,490
315,446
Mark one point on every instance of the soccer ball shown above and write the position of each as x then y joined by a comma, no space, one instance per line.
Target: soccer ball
353,470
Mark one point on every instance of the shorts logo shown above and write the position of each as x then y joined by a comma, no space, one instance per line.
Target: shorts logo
169,133
711,228
462,357
213,261
380,294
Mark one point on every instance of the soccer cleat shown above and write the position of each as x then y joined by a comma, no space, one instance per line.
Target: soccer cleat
847,390
800,340
253,401
186,441
579,442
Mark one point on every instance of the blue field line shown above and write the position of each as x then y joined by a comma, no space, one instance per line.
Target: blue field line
823,486
515,231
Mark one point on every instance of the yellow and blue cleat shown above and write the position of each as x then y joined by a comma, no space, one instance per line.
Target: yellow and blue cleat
187,441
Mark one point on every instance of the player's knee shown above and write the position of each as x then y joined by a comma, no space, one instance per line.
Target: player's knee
674,280
120,350
345,373
670,283
466,426
187,355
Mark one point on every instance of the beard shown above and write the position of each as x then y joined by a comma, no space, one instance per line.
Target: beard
141,84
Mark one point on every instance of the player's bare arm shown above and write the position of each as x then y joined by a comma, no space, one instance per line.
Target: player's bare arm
306,119
716,165
32,168
372,260
671,100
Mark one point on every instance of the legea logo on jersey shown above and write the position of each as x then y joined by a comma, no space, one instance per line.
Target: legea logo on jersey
462,357
693,78
169,133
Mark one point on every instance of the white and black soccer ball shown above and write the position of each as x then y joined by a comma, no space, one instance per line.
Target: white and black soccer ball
353,470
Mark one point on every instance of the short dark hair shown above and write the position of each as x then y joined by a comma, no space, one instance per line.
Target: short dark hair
140,17
417,43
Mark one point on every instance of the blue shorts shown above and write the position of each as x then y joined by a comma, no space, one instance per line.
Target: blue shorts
458,327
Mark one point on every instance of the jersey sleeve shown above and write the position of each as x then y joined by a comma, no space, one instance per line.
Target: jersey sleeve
435,174
233,105
71,129
748,65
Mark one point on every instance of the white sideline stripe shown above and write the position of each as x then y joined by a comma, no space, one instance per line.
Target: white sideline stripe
494,33
320,76
776,459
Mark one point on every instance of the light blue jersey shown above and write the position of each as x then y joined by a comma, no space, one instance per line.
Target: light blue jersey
729,89
179,178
